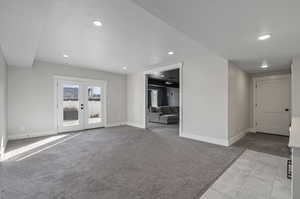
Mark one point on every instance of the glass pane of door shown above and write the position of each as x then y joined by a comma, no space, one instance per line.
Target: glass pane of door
71,105
94,105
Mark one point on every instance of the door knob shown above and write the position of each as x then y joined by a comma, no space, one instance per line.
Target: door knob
287,109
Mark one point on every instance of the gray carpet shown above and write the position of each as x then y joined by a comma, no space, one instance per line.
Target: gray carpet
119,162
265,143
165,129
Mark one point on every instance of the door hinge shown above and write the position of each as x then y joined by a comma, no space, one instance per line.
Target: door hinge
255,85
256,105
256,124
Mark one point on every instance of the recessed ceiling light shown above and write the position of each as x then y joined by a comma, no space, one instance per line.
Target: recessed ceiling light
171,53
169,83
124,68
162,75
264,37
97,23
264,65
66,56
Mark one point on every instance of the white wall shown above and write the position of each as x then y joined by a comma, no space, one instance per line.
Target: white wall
3,103
135,100
296,87
239,102
296,114
31,96
204,97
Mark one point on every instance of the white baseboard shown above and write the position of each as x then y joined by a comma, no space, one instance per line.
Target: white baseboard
211,140
31,135
113,124
53,132
137,125
237,137
252,130
240,135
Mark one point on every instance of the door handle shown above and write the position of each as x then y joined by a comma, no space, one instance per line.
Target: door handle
287,109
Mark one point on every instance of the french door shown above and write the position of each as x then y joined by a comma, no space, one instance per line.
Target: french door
80,104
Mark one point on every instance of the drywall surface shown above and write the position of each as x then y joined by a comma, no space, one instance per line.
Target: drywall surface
239,102
204,97
31,96
3,103
135,100
265,74
295,132
296,87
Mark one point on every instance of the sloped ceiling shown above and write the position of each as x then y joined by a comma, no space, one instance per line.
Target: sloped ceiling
45,30
21,24
230,28
139,33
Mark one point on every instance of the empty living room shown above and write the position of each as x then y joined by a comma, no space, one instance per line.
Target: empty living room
149,99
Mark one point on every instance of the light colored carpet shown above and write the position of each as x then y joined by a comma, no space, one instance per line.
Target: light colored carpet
164,129
119,162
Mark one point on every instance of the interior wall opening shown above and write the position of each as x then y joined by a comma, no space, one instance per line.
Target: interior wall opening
163,101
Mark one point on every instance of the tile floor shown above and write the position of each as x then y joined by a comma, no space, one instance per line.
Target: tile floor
254,175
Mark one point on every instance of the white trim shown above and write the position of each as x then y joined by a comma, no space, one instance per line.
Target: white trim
58,78
137,125
164,68
52,132
2,150
161,69
55,105
255,80
217,141
68,78
239,136
251,130
113,124
254,104
31,135
270,77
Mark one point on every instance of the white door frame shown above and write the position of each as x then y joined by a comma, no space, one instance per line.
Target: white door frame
83,80
157,70
255,80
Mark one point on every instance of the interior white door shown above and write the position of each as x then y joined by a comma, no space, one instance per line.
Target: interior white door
273,102
80,105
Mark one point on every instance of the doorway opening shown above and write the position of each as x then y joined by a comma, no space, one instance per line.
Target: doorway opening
79,104
163,100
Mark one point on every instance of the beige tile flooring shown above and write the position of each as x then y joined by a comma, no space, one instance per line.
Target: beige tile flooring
253,176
